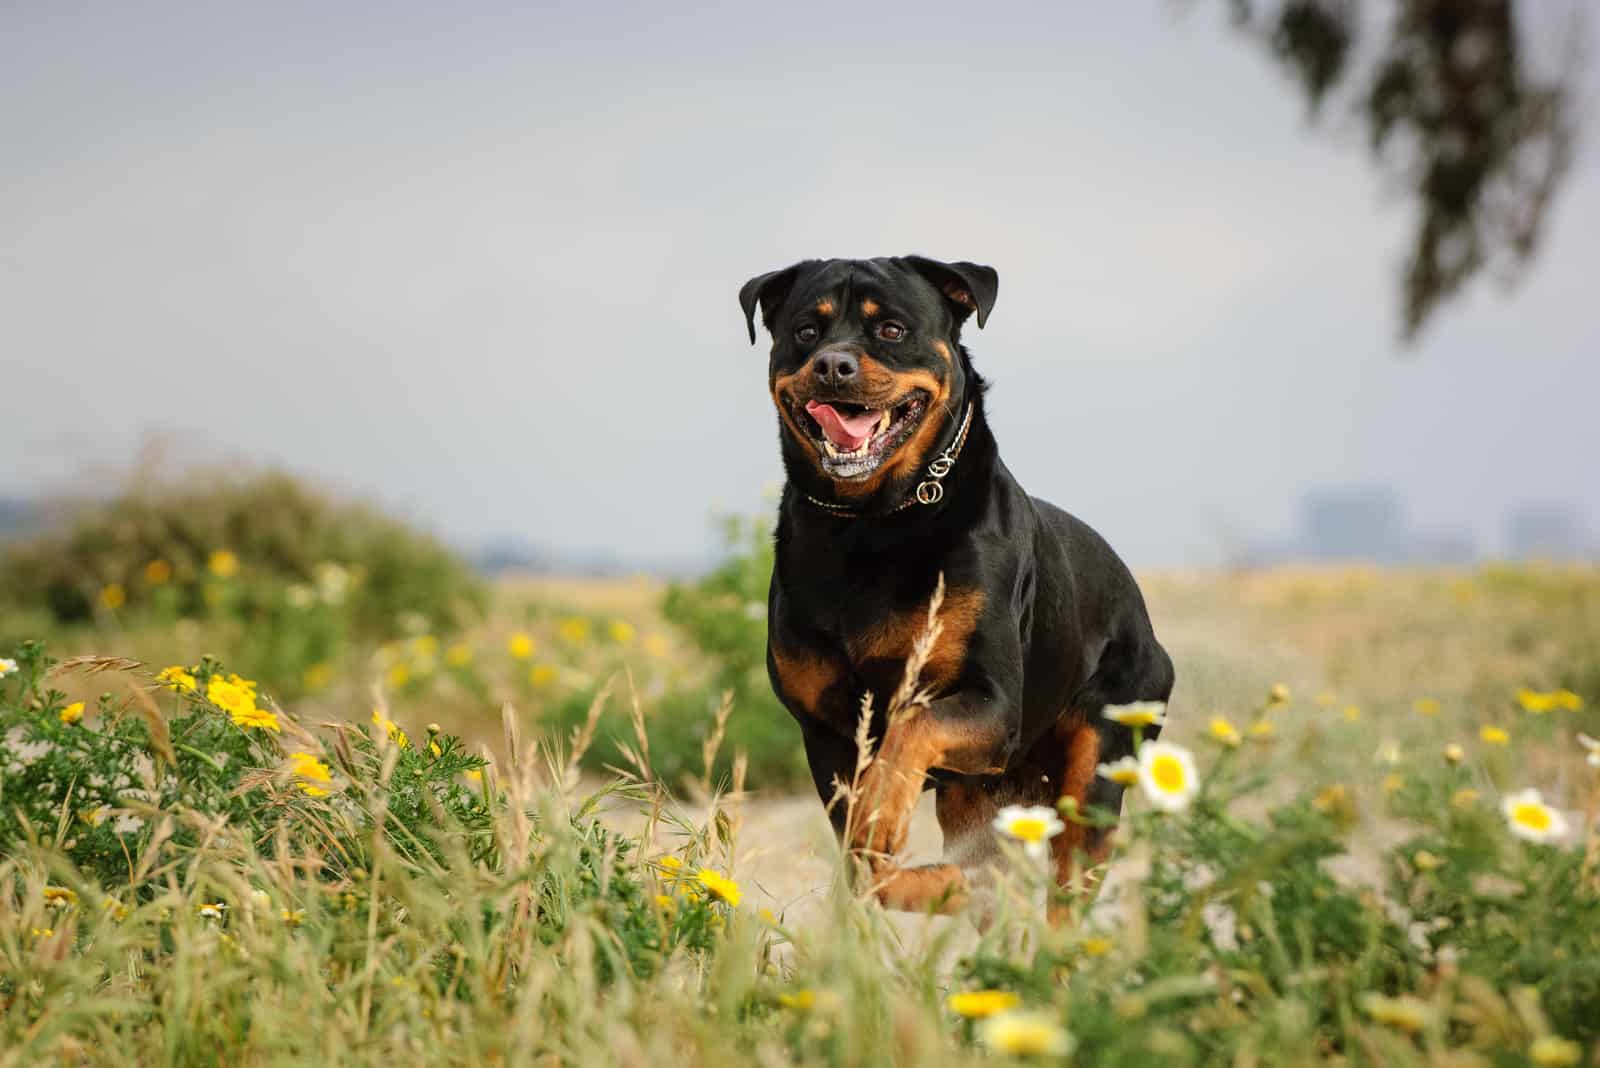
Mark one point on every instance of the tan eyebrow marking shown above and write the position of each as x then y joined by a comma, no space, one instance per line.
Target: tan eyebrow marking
824,306
869,307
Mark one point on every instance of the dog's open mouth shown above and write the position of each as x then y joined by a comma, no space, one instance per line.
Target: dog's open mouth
853,440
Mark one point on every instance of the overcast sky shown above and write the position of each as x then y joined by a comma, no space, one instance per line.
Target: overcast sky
479,262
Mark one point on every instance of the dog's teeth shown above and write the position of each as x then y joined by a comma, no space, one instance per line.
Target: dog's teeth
883,421
828,445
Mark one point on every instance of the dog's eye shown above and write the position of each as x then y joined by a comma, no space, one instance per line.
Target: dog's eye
891,331
805,334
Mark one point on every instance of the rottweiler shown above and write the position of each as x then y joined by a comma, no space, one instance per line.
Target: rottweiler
894,479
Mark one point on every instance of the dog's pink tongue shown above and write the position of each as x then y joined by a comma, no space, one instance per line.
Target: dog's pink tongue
848,432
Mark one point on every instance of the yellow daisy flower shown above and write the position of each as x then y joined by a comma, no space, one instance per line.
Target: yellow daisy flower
574,630
1567,701
1494,735
1223,731
1404,1013
157,573
1454,754
1124,772
113,596
520,645
1262,729
1097,946
60,897
317,774
1167,773
1531,819
1032,825
391,728
1137,714
72,713
719,886
223,563
1534,701
1025,1034
980,1004
799,999
1553,1051
458,655
620,631
177,679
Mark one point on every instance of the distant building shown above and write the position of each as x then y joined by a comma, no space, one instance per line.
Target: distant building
1366,524
1547,531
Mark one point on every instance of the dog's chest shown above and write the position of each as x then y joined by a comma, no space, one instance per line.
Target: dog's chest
826,676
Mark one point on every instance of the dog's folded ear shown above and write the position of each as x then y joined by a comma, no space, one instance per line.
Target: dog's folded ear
970,287
768,291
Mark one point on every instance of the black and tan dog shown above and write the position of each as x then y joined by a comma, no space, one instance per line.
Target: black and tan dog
894,479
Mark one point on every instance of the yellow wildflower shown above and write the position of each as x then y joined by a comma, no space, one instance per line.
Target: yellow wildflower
1261,728
1464,798
1534,701
425,646
1553,1051
223,563
766,916
1392,782
1454,754
667,903
1334,799
541,675
1096,946
475,774
1494,735
979,1004
176,678
317,774
94,817
1352,713
800,999
1025,1034
1223,731
72,713
157,573
458,655
60,897
115,909
718,886
391,728
620,631
1426,861
397,675
1404,1013
1426,706
1278,695
236,697
113,596
574,630
211,910
521,645
1567,701
655,646
292,917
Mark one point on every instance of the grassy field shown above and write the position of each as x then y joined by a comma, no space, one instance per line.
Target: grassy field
182,883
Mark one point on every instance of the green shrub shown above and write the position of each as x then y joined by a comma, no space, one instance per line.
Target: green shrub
285,577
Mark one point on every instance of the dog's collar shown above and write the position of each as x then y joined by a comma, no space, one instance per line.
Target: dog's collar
929,491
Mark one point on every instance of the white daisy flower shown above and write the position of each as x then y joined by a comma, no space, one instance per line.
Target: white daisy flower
1168,775
1138,714
1025,1034
1032,825
7,666
1593,747
1530,818
1124,772
212,910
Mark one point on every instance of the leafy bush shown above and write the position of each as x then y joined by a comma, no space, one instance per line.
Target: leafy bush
296,576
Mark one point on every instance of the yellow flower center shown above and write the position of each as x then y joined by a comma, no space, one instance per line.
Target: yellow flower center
1167,773
1027,828
1534,817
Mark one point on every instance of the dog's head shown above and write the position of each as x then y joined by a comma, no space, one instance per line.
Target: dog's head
866,371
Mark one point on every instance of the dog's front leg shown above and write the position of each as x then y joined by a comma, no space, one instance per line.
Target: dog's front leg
967,733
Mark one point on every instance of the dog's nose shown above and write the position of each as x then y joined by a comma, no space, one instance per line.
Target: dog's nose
835,367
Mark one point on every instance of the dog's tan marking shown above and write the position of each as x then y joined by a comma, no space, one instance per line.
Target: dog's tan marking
960,296
824,306
869,307
1080,757
942,349
892,638
804,677
941,888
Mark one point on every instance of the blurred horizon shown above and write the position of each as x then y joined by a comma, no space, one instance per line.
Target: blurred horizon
480,267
